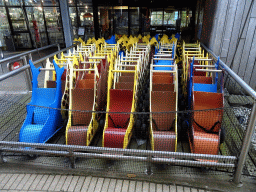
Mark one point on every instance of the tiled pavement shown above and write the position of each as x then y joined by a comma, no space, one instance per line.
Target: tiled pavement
45,182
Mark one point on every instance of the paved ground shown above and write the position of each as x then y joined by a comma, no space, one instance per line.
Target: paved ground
14,177
40,182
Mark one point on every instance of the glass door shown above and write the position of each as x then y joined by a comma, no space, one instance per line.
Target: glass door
21,34
134,20
120,21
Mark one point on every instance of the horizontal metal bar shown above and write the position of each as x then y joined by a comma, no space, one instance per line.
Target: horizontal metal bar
51,55
28,52
131,61
81,51
83,69
169,59
45,69
121,157
62,63
70,57
163,55
119,151
163,71
192,52
36,151
96,57
193,163
121,65
203,65
14,72
138,52
192,48
163,65
23,68
88,62
128,57
198,56
198,59
123,71
209,70
192,45
238,79
164,51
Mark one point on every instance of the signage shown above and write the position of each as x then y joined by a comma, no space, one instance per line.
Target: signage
14,65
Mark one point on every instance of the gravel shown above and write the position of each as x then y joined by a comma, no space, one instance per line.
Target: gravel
243,114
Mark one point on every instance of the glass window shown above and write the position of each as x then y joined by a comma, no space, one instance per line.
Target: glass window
4,26
72,2
1,2
84,2
73,17
17,19
54,25
121,21
85,15
50,2
156,17
36,25
86,18
22,40
134,19
12,2
170,18
185,18
32,2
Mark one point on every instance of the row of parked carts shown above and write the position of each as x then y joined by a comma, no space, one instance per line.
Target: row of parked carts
97,85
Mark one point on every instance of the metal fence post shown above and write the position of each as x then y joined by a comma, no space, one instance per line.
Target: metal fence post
1,53
59,50
27,75
72,159
30,56
246,145
1,157
149,170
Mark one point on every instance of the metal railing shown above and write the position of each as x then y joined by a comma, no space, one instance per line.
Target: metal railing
252,121
24,57
29,53
25,67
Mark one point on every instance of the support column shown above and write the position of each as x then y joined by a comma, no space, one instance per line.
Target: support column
95,19
67,27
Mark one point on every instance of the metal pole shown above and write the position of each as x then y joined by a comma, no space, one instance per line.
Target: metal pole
71,154
59,55
246,145
27,75
30,57
132,152
1,53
